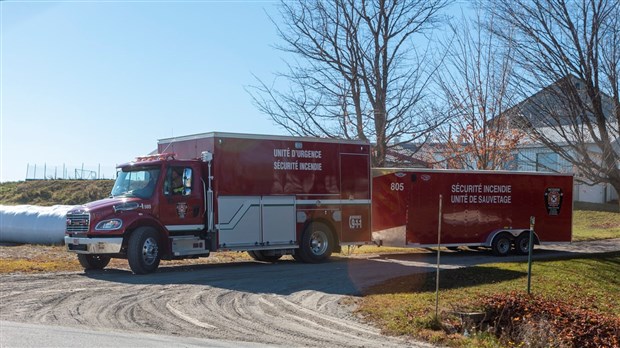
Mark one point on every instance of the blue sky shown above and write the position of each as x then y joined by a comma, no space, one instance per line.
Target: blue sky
99,82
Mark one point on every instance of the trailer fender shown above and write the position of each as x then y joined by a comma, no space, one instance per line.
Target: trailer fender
514,233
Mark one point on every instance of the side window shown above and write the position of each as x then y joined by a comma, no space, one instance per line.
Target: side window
178,181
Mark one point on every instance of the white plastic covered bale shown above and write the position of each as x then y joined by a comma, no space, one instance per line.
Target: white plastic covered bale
33,224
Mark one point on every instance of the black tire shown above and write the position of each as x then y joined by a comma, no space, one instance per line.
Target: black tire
253,255
296,256
501,245
259,255
143,250
522,244
317,243
93,262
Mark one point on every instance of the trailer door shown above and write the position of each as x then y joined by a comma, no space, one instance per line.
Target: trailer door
355,197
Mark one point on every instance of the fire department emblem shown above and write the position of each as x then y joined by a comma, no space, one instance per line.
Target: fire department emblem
181,209
553,200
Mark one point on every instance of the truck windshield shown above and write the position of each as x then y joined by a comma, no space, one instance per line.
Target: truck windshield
135,182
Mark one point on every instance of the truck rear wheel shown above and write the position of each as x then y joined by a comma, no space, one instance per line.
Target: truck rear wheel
92,262
501,245
143,250
522,245
259,255
316,243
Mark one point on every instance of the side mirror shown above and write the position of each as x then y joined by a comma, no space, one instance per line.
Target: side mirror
187,181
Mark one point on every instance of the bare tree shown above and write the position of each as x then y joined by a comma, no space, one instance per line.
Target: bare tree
356,73
569,51
474,90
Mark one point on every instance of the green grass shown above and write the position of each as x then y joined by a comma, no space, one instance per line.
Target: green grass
591,225
51,192
406,305
610,207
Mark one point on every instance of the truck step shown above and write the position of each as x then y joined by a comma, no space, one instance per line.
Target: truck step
188,245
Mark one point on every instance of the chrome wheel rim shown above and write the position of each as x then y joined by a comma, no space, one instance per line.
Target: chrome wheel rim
318,243
524,245
149,251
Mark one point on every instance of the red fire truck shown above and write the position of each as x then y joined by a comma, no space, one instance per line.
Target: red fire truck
479,208
306,197
267,195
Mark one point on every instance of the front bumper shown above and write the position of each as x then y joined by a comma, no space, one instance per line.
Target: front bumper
94,245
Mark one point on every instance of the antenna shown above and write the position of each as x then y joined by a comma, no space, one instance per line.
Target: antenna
170,143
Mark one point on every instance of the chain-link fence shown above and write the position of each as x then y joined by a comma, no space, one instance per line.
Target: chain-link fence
82,172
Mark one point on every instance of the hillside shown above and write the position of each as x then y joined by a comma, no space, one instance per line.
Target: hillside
51,192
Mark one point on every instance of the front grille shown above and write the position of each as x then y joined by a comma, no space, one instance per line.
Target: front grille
78,223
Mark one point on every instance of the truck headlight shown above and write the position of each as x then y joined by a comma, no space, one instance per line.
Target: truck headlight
109,225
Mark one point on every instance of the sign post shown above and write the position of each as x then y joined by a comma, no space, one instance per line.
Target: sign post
438,261
529,257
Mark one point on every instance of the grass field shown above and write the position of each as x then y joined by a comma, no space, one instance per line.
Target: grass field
590,225
406,305
51,192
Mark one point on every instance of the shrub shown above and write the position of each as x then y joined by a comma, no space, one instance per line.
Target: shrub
534,321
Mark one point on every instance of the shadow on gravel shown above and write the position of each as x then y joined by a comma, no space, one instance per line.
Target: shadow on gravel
340,276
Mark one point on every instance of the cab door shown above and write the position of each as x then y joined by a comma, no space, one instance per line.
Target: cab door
182,210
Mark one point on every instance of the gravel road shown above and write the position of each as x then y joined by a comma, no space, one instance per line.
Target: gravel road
283,304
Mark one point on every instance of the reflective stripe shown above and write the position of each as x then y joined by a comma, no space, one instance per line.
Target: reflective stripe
185,227
333,201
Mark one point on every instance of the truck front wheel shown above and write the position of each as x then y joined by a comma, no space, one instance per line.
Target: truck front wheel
93,262
143,250
501,245
316,243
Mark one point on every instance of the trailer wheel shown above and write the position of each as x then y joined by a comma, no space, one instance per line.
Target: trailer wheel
259,255
93,262
316,243
501,244
522,245
143,250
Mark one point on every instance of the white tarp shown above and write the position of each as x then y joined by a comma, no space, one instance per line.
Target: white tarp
33,224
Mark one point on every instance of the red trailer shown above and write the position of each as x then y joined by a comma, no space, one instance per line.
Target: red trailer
268,195
479,208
